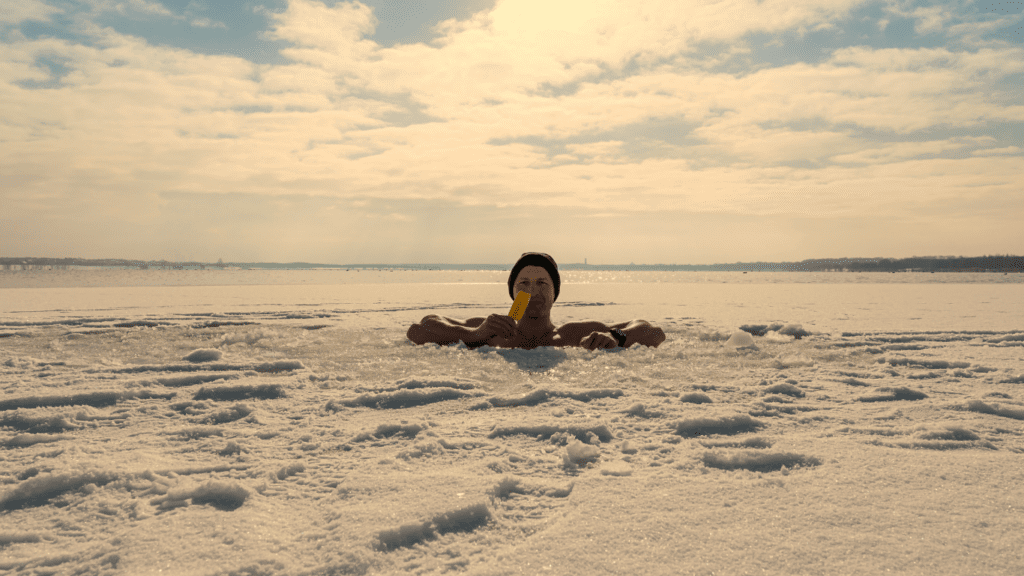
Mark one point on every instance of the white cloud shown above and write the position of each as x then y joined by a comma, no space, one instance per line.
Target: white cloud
322,33
143,7
348,118
1008,150
931,18
207,23
15,11
129,7
608,150
896,151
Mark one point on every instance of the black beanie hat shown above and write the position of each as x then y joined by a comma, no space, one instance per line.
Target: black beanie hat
535,259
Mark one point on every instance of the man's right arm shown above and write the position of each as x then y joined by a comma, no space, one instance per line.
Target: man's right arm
438,330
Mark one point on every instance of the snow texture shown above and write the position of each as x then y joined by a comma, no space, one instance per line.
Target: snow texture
741,340
257,442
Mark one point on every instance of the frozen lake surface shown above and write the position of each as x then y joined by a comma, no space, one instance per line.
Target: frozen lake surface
825,302
281,423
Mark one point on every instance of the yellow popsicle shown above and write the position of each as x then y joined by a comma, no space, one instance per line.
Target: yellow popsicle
519,306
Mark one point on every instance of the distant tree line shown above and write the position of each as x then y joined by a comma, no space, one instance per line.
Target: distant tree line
63,263
994,263
1005,263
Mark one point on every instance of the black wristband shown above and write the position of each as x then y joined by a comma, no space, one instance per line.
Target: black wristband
620,336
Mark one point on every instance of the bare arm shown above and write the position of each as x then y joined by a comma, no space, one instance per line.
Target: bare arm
643,332
444,331
636,331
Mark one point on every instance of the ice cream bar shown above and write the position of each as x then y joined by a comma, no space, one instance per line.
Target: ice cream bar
519,306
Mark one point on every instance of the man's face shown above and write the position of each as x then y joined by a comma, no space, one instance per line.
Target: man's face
535,281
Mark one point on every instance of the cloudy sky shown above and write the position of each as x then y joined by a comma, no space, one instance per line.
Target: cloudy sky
469,131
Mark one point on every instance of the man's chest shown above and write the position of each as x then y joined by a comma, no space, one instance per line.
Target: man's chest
559,337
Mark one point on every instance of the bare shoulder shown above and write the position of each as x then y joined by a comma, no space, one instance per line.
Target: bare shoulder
587,326
471,323
572,333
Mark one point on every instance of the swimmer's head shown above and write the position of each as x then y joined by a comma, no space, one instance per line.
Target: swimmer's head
536,264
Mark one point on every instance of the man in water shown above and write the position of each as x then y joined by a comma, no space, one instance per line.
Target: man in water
536,274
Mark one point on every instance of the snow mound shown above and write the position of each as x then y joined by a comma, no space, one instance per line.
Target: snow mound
457,383
617,468
197,432
695,398
727,425
273,367
95,399
758,461
995,410
38,490
189,408
249,338
231,448
510,485
203,355
951,433
792,362
745,443
785,388
913,362
542,395
927,375
640,411
400,399
37,424
236,412
741,340
578,454
389,430
703,334
136,324
192,379
22,362
545,432
939,444
7,538
242,392
892,394
778,338
291,470
222,495
25,440
794,331
422,449
949,438
461,520
1008,338
279,366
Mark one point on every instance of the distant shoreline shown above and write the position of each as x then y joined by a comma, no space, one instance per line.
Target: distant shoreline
1004,264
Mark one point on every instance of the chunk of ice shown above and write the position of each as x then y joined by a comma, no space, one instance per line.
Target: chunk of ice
740,339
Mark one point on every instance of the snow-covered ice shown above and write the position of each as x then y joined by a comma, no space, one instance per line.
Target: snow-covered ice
740,340
295,440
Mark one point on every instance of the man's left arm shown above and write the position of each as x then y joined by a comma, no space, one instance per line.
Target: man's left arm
643,332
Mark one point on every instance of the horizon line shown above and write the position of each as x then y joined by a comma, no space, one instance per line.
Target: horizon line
220,262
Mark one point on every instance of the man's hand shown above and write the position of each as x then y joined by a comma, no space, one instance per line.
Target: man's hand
496,325
596,340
